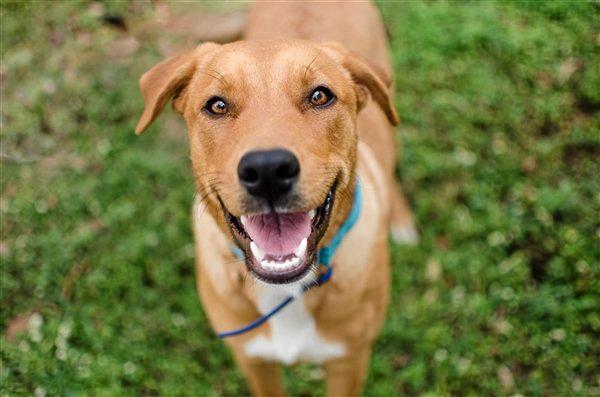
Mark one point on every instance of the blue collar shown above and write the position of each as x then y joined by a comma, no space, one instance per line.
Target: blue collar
324,257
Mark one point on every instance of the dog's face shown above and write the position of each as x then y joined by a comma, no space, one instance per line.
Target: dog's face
272,131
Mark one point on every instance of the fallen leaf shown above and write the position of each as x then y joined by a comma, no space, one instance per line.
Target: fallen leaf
16,325
433,270
4,250
506,379
529,164
567,69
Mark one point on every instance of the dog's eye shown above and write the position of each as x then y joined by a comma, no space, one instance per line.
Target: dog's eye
216,106
321,96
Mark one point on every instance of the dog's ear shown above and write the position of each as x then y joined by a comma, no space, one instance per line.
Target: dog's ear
368,77
166,80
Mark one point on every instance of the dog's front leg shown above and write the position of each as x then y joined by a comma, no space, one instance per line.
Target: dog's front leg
346,375
264,376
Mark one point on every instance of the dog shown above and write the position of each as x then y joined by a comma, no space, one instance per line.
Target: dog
288,129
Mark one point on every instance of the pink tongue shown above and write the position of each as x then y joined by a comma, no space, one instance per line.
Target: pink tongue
278,234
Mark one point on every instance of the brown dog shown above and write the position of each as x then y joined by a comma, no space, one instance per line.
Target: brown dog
280,128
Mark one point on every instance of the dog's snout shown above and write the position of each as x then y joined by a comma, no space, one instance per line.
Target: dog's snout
269,174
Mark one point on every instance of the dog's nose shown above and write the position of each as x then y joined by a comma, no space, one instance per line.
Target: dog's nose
269,174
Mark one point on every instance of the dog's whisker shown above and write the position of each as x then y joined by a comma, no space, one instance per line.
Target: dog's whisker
219,77
307,68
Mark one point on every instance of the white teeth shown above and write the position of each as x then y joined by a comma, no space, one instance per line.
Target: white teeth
312,213
283,265
280,266
243,220
267,265
257,252
301,249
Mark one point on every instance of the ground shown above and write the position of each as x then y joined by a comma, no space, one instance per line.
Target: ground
500,147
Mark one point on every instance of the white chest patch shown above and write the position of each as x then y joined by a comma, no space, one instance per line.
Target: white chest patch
294,335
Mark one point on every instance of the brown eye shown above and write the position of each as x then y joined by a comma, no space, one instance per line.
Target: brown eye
321,96
216,106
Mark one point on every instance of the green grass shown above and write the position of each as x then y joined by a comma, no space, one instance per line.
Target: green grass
500,107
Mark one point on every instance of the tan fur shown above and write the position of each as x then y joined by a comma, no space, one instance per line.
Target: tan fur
267,81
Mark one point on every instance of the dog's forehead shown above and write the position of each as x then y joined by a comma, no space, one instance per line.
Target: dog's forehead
268,62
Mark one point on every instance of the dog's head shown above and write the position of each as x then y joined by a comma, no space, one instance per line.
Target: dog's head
272,131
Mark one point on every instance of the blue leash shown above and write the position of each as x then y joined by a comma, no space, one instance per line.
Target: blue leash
324,257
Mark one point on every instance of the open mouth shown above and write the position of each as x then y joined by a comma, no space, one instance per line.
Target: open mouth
281,247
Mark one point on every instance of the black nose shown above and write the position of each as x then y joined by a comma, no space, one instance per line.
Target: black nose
269,174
